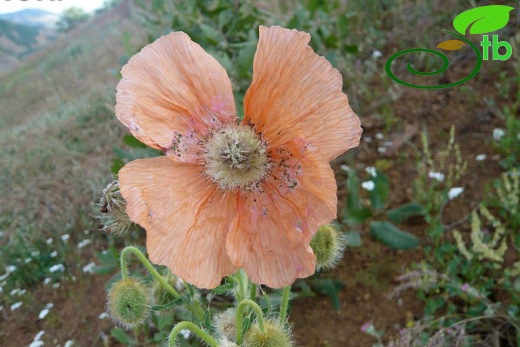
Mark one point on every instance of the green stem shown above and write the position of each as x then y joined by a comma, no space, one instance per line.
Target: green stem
241,285
284,305
148,265
197,311
210,341
240,313
252,292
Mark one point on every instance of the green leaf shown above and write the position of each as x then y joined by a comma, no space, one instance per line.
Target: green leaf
353,239
223,288
213,35
117,164
104,269
356,216
403,212
393,237
131,141
331,288
244,60
121,336
379,195
482,20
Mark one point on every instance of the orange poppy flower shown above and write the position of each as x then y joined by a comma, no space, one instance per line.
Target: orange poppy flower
228,195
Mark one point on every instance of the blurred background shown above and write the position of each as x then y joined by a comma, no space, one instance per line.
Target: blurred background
433,240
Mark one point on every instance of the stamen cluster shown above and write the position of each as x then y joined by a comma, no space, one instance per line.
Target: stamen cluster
235,157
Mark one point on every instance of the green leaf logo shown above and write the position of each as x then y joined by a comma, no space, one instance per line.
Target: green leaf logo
482,20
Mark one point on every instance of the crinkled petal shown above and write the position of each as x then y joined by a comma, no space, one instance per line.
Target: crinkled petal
270,236
173,92
185,218
296,93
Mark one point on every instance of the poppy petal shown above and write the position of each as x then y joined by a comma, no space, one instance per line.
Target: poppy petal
186,219
172,93
270,236
296,93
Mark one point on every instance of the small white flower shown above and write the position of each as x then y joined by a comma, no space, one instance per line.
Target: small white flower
16,306
498,134
1,233
27,260
54,254
10,268
371,170
103,315
69,343
35,253
480,157
57,267
345,168
185,333
65,237
49,241
83,243
45,311
368,185
437,176
56,285
454,192
380,136
86,232
4,276
18,292
1,308
46,281
89,268
381,149
376,54
367,139
37,342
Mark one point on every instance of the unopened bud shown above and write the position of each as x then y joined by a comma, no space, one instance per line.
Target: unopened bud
274,335
226,343
162,296
113,210
128,302
225,323
328,245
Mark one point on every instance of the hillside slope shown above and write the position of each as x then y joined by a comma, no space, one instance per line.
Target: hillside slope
57,131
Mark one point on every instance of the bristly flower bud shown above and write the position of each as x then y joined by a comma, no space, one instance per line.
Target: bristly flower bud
225,323
274,335
328,244
113,210
161,296
226,343
128,302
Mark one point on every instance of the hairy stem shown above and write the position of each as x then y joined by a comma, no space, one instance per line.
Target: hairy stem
240,314
210,341
149,267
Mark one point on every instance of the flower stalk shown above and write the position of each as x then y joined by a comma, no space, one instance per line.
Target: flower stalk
210,341
284,305
240,313
149,267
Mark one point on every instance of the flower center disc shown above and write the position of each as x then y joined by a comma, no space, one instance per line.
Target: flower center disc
235,157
